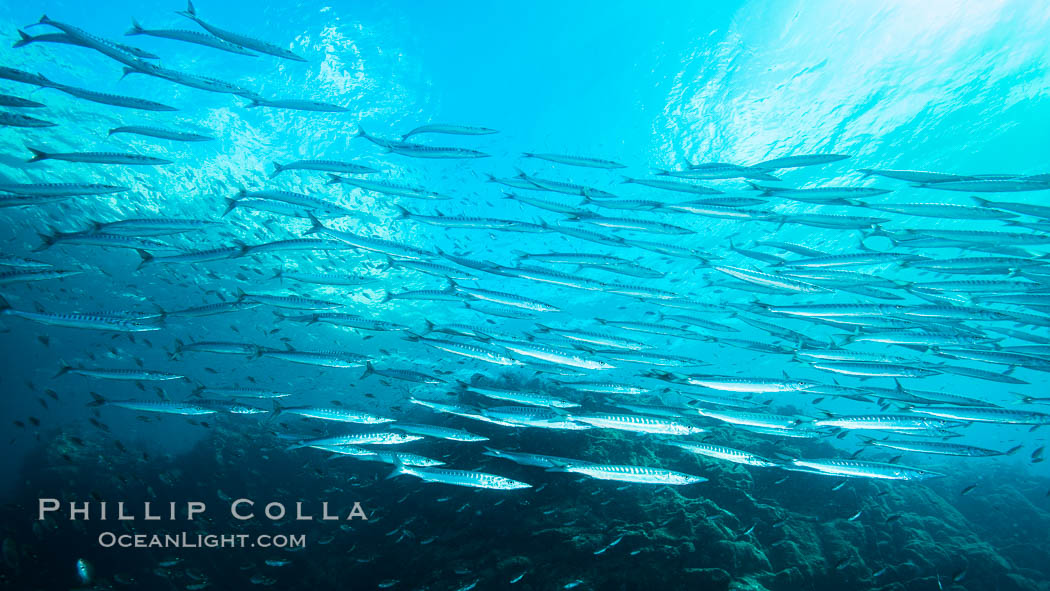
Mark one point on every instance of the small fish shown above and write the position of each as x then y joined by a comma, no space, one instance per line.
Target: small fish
611,544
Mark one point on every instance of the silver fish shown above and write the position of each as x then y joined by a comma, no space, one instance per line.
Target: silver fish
236,38
458,477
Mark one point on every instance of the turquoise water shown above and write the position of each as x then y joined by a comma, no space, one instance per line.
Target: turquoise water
934,86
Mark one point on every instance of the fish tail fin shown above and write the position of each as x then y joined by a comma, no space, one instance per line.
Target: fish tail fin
412,337
277,169
4,305
492,178
369,370
430,326
96,399
177,351
190,10
402,213
866,171
757,187
399,468
37,155
278,408
46,242
846,340
361,132
527,155
315,224
147,258
136,28
879,232
63,368
23,39
231,204
333,179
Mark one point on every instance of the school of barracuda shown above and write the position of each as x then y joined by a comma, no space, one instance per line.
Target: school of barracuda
935,300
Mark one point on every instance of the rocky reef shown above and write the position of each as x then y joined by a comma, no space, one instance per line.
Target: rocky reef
743,529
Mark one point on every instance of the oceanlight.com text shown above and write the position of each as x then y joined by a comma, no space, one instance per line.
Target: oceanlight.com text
195,540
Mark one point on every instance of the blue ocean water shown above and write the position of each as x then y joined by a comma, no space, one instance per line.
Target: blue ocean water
951,87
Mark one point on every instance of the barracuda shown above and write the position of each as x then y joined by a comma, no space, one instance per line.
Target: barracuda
595,338
341,359
724,453
373,438
86,321
458,477
438,432
527,459
861,469
934,447
236,38
163,406
984,414
379,245
737,384
752,419
188,37
634,474
770,280
466,350
449,129
553,355
405,375
145,375
532,416
385,457
887,422
341,415
638,424
520,397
